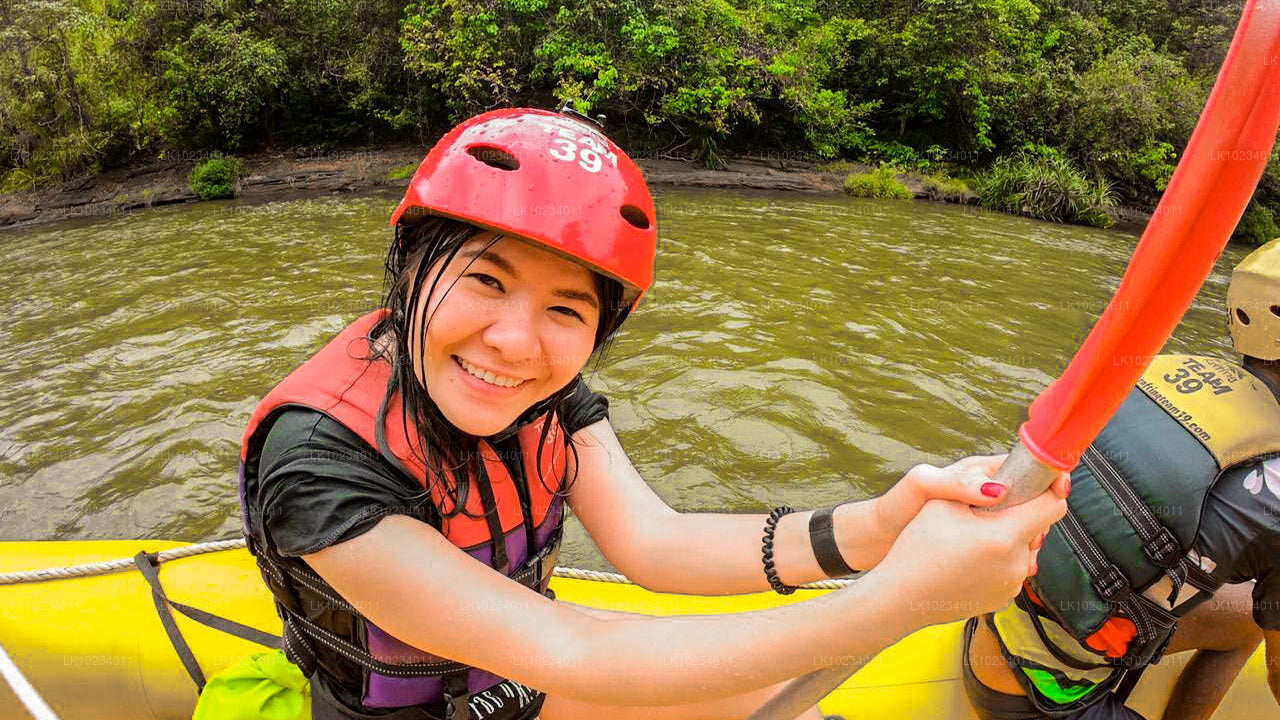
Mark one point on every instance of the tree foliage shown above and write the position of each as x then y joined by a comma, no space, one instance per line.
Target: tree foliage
1112,86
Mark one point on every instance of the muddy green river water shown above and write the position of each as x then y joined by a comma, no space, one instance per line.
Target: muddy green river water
796,349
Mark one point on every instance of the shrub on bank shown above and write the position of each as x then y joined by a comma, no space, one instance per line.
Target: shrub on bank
881,183
838,166
402,172
216,177
942,187
1046,187
1257,225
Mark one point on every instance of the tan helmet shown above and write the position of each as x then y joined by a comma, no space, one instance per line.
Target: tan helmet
1253,303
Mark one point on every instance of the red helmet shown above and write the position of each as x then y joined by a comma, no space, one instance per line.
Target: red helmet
547,177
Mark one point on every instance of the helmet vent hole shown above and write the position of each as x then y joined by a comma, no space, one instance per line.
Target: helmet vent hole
635,216
1242,316
494,157
1275,310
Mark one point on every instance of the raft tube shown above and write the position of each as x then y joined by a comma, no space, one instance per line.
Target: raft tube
94,646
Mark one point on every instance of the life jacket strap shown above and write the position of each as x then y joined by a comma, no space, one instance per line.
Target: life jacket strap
1035,615
1201,580
1114,587
1042,702
1127,683
302,635
297,648
1158,543
497,536
361,657
149,565
457,697
313,582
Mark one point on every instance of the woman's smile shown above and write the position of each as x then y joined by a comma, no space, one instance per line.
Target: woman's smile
489,380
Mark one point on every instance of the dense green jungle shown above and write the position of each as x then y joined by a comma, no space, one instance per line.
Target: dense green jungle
1095,98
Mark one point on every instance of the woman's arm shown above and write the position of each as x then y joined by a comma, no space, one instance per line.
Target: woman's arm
718,553
412,582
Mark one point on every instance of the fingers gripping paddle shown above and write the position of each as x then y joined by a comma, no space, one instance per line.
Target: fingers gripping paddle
1213,183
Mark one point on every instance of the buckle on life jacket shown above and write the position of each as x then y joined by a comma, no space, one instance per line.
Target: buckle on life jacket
1163,549
457,697
1158,655
1111,585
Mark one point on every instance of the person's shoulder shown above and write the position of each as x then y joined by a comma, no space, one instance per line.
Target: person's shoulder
299,428
1242,513
294,421
321,483
1253,482
307,442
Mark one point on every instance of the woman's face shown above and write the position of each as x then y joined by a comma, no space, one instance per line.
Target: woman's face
506,327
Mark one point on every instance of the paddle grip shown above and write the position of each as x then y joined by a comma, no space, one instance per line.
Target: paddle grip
1024,476
805,692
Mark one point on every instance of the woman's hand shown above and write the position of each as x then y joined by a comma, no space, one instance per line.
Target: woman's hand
969,481
953,561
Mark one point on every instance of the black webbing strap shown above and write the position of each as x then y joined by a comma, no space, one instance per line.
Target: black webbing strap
1036,616
1158,543
359,656
1202,580
537,568
1107,579
297,647
1133,674
306,577
489,505
149,565
457,697
1129,682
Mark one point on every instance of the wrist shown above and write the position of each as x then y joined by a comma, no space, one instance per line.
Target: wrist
910,591
826,546
880,595
858,533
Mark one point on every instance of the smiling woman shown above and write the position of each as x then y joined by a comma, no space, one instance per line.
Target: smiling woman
506,325
405,489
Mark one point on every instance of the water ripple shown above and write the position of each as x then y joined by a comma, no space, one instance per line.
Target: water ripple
798,349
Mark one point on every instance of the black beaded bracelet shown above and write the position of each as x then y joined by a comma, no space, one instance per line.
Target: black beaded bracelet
770,572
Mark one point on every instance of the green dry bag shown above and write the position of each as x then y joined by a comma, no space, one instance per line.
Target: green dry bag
265,686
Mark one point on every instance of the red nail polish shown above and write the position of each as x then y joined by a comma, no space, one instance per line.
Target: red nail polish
992,489
1068,484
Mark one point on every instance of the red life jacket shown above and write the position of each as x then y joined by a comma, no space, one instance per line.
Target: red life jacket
341,382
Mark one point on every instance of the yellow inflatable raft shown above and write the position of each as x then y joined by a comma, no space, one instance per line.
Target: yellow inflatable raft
94,646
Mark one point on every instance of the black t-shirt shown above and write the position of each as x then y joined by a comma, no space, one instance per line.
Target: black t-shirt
320,484
1239,535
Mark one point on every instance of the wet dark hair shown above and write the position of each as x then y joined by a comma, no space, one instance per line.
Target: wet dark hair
450,455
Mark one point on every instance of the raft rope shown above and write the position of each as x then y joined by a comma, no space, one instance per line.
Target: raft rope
41,710
111,566
27,694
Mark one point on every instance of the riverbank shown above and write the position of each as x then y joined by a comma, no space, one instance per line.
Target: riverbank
300,172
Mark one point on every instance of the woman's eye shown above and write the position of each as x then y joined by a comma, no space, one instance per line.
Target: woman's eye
489,280
568,311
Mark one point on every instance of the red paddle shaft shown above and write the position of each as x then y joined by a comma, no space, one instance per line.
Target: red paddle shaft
1210,189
